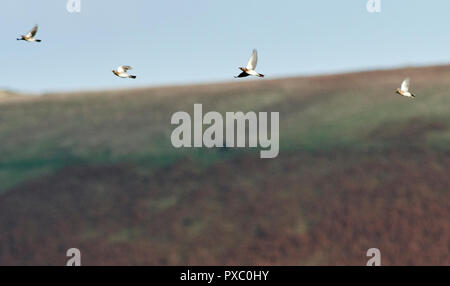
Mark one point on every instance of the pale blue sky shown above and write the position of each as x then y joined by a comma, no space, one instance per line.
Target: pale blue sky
179,41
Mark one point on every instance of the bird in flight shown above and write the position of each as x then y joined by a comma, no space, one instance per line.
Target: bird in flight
30,37
404,89
250,69
122,72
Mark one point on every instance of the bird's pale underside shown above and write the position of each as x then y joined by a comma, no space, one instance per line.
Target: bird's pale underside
404,89
251,66
30,37
121,71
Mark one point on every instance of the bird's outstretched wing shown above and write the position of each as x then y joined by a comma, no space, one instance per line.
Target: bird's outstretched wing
33,32
123,69
253,61
405,85
242,74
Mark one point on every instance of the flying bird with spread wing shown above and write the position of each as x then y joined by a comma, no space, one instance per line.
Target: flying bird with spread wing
250,69
30,37
122,72
404,89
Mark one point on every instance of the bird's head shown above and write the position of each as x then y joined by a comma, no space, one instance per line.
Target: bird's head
243,69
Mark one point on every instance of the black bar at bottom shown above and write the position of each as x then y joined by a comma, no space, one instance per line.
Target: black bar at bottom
221,275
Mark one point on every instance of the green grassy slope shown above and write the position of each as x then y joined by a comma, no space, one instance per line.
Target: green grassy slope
354,111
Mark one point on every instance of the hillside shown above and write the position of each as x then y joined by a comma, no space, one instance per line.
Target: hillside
358,168
6,94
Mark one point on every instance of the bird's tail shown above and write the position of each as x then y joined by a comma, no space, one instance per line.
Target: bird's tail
132,76
260,75
38,41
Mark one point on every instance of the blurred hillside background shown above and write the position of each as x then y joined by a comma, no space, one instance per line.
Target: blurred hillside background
86,159
358,168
